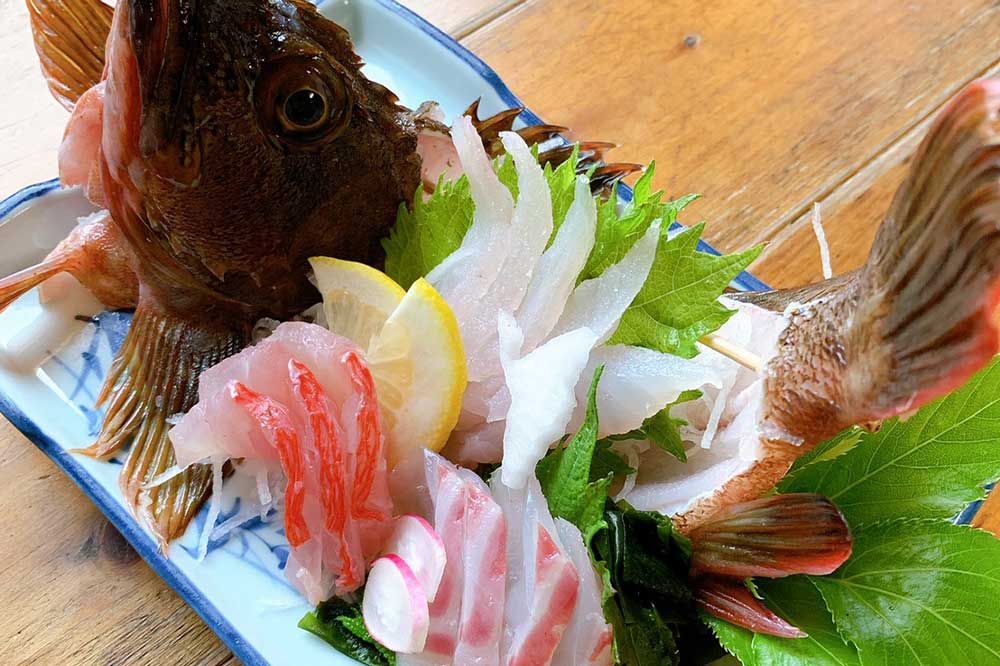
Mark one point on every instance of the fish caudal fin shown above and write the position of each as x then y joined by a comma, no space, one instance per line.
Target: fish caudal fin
155,376
919,318
932,282
69,38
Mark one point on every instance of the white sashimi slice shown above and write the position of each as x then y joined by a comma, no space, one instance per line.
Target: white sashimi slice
485,563
542,393
414,540
636,384
530,229
542,582
395,607
557,270
466,275
599,303
587,640
666,485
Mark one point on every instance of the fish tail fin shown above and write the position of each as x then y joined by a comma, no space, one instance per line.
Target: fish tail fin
155,376
772,537
70,36
14,286
918,319
928,294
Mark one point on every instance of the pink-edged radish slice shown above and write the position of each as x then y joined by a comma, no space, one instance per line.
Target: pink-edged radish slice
395,606
414,540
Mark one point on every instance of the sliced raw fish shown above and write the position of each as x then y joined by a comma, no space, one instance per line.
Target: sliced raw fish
542,582
542,391
588,638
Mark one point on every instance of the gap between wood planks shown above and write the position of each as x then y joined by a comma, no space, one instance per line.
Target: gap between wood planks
482,20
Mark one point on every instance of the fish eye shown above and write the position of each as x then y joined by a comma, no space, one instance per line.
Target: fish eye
303,101
305,108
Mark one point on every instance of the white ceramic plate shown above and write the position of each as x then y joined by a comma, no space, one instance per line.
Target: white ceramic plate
53,360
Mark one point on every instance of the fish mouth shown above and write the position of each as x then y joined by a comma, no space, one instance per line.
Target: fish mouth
163,36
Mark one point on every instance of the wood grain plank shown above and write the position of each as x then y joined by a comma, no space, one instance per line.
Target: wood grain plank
762,106
74,591
460,18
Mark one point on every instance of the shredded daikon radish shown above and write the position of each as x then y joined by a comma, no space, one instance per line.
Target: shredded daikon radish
214,508
163,477
824,248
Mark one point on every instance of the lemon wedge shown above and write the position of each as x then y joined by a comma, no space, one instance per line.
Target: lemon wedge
357,299
413,349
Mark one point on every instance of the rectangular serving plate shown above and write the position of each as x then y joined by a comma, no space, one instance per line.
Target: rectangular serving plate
53,360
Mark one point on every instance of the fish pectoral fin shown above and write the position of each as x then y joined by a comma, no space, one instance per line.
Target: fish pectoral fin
155,376
928,294
94,254
69,38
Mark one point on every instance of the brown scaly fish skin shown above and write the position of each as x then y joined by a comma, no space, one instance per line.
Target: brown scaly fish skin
914,323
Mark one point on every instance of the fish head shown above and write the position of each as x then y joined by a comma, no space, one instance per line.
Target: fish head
244,138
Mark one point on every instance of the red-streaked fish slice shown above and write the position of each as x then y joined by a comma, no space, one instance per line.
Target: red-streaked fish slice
554,599
542,581
588,637
275,423
367,501
332,474
446,512
484,589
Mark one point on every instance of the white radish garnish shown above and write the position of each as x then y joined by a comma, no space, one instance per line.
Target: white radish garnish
414,540
395,606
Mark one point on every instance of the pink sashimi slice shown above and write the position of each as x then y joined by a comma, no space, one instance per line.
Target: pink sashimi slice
275,423
542,582
485,563
395,607
588,637
553,602
303,400
414,540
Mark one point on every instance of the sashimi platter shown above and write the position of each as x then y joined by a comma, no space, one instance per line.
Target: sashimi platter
372,365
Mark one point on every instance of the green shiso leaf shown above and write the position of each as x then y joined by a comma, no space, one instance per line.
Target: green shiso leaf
921,592
930,466
679,303
340,624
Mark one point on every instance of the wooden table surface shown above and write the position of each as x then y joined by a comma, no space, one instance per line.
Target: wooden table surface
763,106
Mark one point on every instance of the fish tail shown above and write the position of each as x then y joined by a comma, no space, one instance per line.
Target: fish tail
930,288
69,38
918,319
155,376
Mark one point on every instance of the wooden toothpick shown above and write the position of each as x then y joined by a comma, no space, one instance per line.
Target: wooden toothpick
744,357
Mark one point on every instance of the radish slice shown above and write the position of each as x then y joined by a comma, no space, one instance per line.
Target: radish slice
414,540
395,606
